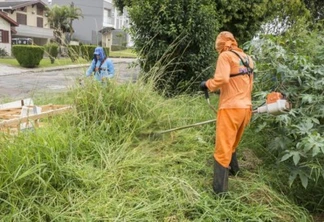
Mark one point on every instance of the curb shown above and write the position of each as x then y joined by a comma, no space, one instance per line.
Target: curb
50,69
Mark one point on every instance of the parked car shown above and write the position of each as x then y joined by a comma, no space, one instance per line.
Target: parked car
22,41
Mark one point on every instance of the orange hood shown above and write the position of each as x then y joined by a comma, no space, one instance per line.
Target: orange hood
225,41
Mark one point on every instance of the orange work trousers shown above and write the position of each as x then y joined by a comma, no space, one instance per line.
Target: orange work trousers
230,127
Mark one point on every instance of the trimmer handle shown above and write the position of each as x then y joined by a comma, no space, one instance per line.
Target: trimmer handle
208,101
206,94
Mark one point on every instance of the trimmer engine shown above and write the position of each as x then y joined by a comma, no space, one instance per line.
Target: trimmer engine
276,104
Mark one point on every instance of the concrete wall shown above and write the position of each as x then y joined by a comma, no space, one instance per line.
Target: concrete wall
87,28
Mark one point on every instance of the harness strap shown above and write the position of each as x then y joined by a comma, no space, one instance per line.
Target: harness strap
245,63
102,62
240,74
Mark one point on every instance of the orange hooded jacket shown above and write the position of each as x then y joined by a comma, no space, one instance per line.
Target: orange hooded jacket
235,91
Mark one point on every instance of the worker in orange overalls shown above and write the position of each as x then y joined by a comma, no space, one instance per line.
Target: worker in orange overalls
234,78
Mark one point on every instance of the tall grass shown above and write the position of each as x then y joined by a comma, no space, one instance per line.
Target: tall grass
103,162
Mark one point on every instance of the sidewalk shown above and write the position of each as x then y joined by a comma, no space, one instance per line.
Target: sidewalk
6,70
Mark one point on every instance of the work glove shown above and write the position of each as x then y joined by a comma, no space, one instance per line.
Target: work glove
203,86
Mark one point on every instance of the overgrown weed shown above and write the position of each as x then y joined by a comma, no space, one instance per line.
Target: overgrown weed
95,164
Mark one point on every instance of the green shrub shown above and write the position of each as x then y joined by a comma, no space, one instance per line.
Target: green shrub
297,137
52,50
182,41
87,51
74,52
28,55
181,34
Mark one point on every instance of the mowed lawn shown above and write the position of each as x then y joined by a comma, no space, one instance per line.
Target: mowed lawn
127,53
45,62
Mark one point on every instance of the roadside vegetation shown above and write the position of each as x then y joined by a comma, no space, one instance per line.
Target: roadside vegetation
287,49
181,34
107,161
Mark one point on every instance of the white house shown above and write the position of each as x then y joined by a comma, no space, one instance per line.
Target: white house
31,17
7,27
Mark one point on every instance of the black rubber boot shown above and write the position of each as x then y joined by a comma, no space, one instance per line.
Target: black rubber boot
220,180
234,167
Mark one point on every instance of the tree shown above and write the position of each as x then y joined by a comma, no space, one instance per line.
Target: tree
285,16
73,13
180,34
242,18
289,64
316,7
61,18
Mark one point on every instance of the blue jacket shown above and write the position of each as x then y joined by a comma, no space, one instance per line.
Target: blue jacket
107,68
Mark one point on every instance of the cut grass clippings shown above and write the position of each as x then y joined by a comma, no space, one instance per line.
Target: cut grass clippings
96,164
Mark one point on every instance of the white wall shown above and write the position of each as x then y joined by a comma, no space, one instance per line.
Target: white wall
4,25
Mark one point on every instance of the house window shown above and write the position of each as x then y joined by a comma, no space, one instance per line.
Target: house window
108,13
117,24
107,16
4,36
21,19
40,22
40,11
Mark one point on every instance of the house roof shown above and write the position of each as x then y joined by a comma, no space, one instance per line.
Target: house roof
15,4
13,30
106,29
8,19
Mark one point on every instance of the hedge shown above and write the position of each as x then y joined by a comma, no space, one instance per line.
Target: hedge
74,52
28,55
88,50
52,50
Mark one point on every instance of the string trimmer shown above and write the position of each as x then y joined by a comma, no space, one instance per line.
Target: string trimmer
276,104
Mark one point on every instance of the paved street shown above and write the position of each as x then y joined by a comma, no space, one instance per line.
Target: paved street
19,83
